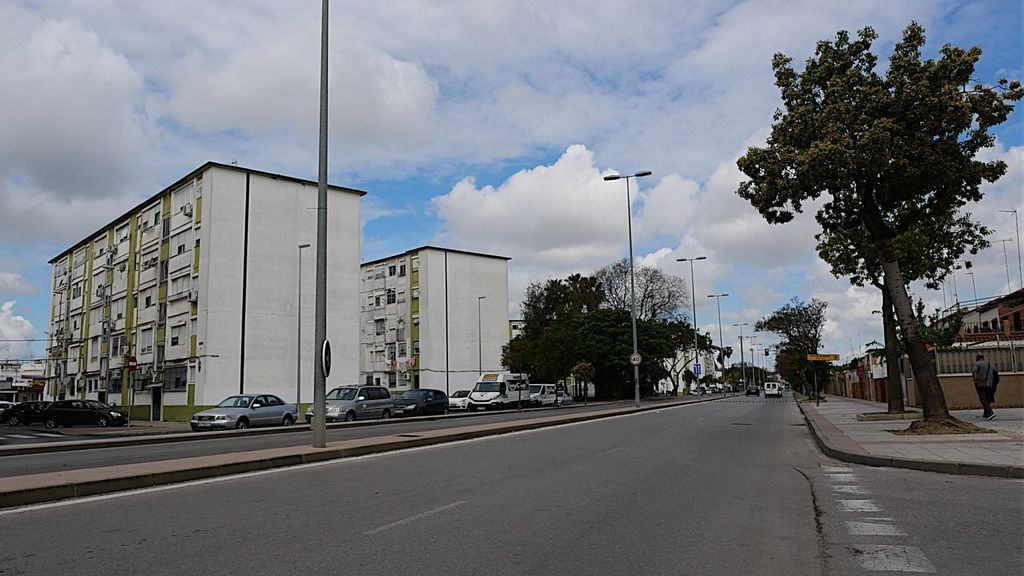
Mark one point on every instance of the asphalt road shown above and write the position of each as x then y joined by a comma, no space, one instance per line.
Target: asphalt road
11,435
722,488
17,465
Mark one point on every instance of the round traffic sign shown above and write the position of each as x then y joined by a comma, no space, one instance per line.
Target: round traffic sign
325,358
132,364
635,359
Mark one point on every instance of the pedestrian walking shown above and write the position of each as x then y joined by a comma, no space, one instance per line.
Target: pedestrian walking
983,385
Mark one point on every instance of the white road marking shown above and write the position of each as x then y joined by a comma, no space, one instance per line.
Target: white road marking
23,436
873,529
841,477
889,558
836,469
609,451
850,489
334,462
48,435
404,521
859,506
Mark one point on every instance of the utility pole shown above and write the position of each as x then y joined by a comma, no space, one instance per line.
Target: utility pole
1016,225
323,347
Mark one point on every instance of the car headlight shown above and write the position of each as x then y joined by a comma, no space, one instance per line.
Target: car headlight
333,410
223,417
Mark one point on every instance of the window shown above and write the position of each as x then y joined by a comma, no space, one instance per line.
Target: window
174,378
181,284
146,341
376,301
369,379
392,380
401,270
391,295
156,218
95,348
416,347
118,343
401,349
378,326
180,241
391,270
177,335
117,308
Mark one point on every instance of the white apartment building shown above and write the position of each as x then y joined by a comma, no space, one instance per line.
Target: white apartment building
199,283
432,318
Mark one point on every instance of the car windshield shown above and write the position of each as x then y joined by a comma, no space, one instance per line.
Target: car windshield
342,394
487,387
460,394
534,389
93,404
413,395
235,402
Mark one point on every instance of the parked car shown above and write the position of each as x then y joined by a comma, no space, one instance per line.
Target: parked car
244,411
421,402
459,400
542,394
68,413
350,403
24,413
5,406
753,391
563,398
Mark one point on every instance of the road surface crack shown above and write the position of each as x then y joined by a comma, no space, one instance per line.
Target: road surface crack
818,526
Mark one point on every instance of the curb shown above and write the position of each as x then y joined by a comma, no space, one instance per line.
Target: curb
291,456
150,437
941,466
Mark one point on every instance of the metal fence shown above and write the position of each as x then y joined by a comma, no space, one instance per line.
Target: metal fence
961,360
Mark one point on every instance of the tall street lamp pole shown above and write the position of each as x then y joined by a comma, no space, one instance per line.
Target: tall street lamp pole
753,360
1016,224
973,286
322,354
298,339
743,369
479,336
1009,288
721,346
693,294
632,276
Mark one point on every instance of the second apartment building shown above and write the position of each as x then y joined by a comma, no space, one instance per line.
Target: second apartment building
432,318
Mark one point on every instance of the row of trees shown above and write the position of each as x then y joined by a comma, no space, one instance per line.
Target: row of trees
586,319
893,155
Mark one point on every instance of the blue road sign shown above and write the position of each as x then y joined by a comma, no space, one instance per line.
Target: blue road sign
696,369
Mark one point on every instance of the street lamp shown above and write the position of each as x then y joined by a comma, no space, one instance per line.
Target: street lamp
974,286
743,370
721,346
479,336
298,338
753,359
693,293
1016,225
323,347
632,276
1009,288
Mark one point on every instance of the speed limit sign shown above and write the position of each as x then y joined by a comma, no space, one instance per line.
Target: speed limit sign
635,359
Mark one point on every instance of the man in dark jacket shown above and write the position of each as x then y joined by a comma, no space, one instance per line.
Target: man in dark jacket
983,385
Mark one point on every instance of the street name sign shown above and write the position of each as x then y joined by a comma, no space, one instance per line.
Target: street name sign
823,357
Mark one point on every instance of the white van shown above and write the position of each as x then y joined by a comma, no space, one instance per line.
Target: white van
499,390
542,394
772,389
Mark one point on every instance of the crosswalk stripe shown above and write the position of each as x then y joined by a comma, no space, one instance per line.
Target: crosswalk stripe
887,558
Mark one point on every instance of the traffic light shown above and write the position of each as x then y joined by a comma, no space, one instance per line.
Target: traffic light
765,351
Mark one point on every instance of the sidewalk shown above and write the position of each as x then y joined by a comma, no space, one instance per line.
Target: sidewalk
840,435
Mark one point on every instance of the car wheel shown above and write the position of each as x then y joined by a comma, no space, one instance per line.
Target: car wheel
288,420
51,422
385,415
242,424
14,420
445,411
350,416
103,422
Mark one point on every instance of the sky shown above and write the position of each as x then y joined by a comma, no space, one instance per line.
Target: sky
485,125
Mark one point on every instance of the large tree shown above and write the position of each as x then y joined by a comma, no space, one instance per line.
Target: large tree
658,294
887,151
799,325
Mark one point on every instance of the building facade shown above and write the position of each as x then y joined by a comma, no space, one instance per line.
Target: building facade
198,285
432,318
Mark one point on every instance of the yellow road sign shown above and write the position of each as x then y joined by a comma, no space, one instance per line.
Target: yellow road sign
823,357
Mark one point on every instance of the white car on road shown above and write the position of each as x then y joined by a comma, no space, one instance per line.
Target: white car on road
459,400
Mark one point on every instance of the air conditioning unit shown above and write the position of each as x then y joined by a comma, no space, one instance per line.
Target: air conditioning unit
122,267
113,249
193,296
99,291
186,209
124,350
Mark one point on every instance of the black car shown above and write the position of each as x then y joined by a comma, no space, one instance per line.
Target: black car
421,402
753,391
25,413
70,413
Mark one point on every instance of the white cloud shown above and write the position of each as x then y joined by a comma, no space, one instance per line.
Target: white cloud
13,284
16,332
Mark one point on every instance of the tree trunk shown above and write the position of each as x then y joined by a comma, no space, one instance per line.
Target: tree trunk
933,401
894,388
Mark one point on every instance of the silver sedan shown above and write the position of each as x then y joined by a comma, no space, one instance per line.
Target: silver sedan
244,411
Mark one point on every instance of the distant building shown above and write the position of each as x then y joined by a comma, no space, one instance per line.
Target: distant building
515,328
21,382
432,318
199,285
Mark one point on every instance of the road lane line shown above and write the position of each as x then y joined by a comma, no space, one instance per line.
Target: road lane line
859,506
841,477
889,558
405,521
609,451
873,529
836,469
851,489
22,436
49,435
